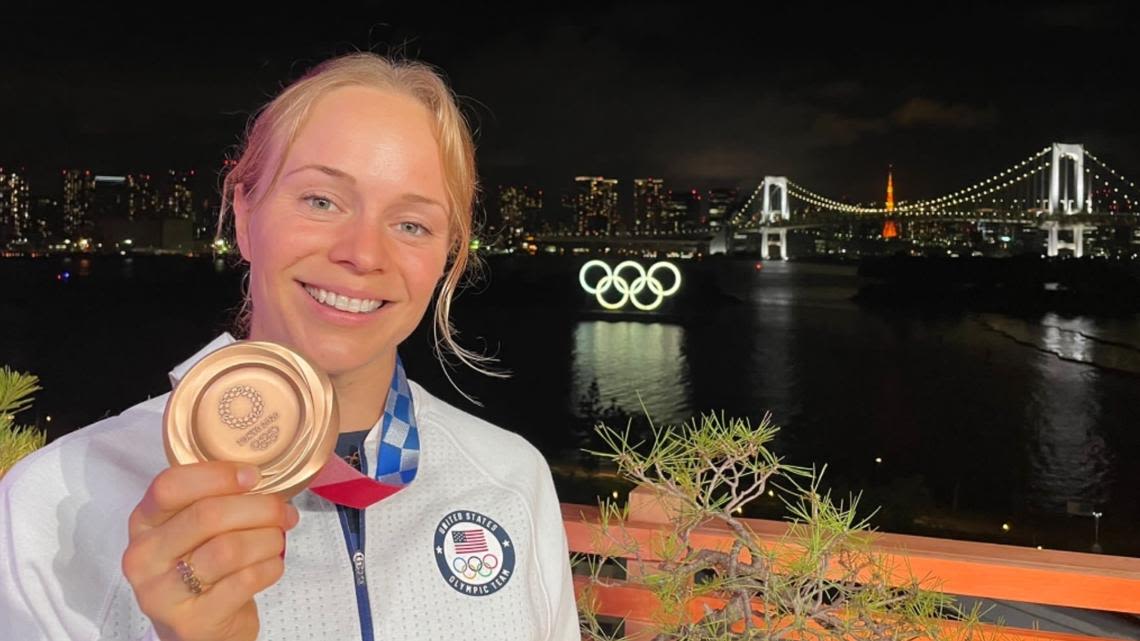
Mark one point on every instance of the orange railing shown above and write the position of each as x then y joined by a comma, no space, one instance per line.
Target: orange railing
982,570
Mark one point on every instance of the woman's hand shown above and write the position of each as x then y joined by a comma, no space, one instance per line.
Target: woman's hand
233,544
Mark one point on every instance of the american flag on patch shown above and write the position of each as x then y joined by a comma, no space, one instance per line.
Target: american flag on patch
469,541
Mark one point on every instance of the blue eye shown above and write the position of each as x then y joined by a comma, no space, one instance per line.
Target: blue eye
319,202
415,229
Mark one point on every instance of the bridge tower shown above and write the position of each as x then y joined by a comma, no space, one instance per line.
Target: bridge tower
770,217
781,233
1067,205
767,214
1076,153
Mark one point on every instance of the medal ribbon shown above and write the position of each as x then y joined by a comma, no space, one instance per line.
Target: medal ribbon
396,461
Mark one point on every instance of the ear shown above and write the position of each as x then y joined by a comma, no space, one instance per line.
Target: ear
241,220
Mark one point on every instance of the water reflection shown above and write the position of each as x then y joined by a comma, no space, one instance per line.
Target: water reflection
1068,339
1067,451
626,359
772,370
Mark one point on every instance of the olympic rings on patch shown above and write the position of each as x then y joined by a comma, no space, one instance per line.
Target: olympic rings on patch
629,290
474,566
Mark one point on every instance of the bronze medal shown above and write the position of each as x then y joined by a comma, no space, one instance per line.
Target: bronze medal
258,403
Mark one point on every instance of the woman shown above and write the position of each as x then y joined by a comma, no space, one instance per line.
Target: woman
351,202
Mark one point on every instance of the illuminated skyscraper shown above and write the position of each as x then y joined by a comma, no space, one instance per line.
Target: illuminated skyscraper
179,198
681,212
720,202
78,202
595,201
15,209
47,219
648,203
519,209
142,199
110,199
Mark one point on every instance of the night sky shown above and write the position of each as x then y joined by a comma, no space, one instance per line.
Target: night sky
698,94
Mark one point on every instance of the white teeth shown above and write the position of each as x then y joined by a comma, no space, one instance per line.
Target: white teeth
342,302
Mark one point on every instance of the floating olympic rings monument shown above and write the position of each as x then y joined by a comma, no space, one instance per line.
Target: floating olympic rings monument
630,290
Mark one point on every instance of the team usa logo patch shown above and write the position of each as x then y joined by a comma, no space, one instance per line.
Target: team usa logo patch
475,554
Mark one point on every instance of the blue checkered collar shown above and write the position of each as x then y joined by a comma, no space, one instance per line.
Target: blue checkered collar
397,441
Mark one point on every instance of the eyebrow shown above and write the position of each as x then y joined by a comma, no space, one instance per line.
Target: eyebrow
418,199
325,169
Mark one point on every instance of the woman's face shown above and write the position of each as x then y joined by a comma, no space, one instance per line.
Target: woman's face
346,248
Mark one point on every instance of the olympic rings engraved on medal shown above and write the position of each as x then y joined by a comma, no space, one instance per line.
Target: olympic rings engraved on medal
629,290
265,439
256,407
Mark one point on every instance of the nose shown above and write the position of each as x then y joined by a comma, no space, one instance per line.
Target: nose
362,244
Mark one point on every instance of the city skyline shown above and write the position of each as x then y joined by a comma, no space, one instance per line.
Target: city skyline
78,203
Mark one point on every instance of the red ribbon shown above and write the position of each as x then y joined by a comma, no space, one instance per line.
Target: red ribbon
343,484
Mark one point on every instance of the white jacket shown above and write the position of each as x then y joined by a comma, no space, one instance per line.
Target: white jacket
63,529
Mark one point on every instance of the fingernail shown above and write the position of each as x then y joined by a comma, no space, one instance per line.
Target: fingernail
248,476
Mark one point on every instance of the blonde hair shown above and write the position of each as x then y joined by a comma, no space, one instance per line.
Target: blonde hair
275,127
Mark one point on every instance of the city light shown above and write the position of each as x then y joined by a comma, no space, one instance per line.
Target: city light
660,217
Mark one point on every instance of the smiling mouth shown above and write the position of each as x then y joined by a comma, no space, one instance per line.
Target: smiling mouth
342,302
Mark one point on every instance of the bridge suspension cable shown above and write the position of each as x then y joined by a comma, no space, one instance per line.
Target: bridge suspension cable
1022,186
1106,181
998,181
740,214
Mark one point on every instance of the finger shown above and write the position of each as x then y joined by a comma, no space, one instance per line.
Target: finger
156,550
228,553
177,487
170,592
167,596
171,604
228,595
